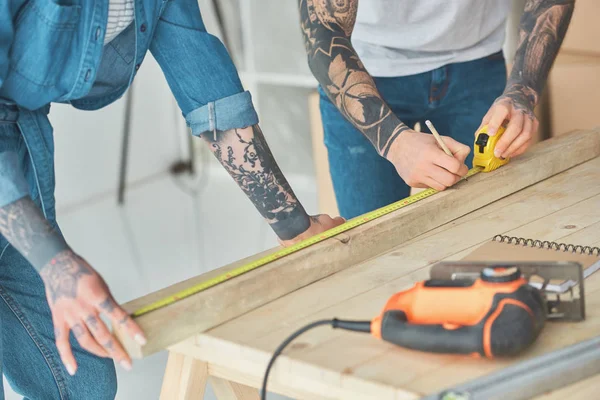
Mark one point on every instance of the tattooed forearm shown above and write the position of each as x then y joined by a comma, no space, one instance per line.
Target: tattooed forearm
326,28
543,26
246,156
24,226
62,274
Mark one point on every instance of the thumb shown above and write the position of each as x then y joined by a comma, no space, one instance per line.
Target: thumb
339,220
459,150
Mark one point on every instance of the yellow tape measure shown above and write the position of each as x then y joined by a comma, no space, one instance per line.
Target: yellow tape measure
353,223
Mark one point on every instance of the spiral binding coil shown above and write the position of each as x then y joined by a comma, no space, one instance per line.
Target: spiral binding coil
548,245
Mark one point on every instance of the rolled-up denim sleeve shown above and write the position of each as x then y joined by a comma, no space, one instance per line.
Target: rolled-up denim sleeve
200,71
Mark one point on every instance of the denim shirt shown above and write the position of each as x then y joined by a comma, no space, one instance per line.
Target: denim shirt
53,51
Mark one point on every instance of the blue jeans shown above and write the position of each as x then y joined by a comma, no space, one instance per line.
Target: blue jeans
28,356
454,97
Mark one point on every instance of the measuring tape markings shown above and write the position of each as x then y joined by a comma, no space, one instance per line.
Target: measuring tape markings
353,223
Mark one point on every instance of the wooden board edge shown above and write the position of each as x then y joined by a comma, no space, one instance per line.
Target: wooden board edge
289,377
210,308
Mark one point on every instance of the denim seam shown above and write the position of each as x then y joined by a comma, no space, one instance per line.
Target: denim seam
43,350
16,71
110,97
4,250
79,82
63,26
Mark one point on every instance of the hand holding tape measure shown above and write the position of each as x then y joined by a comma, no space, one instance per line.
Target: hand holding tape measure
484,158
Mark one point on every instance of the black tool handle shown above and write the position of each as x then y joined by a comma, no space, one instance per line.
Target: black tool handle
396,329
503,333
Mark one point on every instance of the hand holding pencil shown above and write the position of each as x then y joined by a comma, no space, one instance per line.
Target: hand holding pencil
428,161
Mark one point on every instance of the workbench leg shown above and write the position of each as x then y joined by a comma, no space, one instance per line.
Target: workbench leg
227,390
185,378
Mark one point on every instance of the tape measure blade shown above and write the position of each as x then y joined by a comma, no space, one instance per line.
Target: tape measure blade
348,225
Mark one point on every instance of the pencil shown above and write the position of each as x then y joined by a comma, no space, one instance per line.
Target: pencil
438,138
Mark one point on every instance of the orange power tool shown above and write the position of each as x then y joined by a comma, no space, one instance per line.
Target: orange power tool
497,314
490,310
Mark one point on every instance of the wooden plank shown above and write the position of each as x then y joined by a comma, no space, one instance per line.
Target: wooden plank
228,390
302,381
252,381
531,204
568,204
236,297
185,378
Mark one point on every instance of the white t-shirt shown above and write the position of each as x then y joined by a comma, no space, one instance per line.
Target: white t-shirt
120,15
406,37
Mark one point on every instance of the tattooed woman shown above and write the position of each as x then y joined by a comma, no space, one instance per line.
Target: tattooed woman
53,343
384,65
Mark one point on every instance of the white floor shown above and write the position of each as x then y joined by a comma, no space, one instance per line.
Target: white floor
164,234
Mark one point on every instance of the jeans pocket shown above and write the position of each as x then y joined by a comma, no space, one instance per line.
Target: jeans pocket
44,34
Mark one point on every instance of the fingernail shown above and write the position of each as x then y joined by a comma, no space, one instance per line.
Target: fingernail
140,339
126,365
70,370
491,131
497,153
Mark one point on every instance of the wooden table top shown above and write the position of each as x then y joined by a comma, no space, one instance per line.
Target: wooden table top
332,364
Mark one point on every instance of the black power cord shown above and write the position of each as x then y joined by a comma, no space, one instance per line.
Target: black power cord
357,326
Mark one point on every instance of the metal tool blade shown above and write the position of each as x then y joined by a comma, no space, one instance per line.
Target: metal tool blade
561,282
532,377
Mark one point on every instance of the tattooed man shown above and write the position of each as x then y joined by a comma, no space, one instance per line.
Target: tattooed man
384,65
54,344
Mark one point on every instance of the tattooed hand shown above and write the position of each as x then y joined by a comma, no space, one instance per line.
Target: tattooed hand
77,296
76,293
318,224
516,105
542,29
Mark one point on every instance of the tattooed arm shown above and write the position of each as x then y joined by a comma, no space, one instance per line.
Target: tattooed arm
24,226
542,29
245,155
76,293
327,27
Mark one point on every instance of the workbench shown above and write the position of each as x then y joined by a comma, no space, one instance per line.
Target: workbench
333,364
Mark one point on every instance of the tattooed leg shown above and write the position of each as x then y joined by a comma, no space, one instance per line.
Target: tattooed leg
245,155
